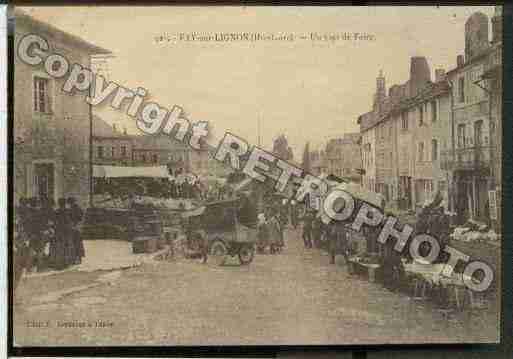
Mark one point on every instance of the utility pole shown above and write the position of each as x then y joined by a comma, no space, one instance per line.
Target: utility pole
259,138
91,172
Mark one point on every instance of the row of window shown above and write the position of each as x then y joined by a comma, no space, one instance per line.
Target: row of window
153,158
422,109
464,141
475,92
104,152
434,151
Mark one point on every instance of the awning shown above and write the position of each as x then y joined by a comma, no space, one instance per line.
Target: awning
128,171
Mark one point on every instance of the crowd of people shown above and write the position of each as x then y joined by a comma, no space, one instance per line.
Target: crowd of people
335,237
47,237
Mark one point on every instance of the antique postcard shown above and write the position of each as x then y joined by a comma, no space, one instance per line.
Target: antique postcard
256,175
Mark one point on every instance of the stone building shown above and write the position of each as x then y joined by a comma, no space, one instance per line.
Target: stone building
318,162
471,157
343,157
115,148
160,151
425,133
51,128
110,147
368,149
445,134
385,147
402,137
492,80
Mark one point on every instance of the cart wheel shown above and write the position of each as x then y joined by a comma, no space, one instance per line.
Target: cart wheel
218,251
246,254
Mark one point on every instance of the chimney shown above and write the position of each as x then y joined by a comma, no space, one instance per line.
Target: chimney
439,75
460,61
420,74
476,35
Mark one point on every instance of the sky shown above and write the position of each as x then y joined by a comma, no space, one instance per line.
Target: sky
310,91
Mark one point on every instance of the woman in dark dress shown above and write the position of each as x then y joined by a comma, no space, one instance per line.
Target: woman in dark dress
64,249
337,236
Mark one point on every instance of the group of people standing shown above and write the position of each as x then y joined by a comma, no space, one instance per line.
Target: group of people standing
315,231
270,230
50,237
277,216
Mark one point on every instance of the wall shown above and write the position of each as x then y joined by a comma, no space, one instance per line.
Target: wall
60,137
369,158
428,177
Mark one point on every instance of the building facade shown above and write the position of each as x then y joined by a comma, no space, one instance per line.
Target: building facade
492,80
318,162
115,148
443,135
343,157
429,125
51,127
368,149
471,156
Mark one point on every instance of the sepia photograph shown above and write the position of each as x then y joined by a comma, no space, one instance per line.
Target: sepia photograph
256,175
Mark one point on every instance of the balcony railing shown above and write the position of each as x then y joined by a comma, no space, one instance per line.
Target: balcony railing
470,158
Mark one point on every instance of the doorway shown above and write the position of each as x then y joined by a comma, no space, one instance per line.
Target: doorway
44,180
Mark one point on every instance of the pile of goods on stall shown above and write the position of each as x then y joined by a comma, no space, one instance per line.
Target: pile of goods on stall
147,201
370,258
473,231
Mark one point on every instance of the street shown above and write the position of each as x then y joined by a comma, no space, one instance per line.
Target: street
295,297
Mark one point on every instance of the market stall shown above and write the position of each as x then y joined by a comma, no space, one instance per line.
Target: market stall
126,195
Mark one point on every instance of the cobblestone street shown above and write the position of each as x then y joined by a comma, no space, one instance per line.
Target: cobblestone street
295,297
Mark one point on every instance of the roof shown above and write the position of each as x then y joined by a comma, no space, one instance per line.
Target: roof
431,90
367,120
474,59
101,128
156,142
428,92
22,17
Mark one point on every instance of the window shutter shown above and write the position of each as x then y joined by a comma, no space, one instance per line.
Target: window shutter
35,94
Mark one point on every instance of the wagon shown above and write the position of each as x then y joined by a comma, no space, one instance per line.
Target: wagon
219,230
